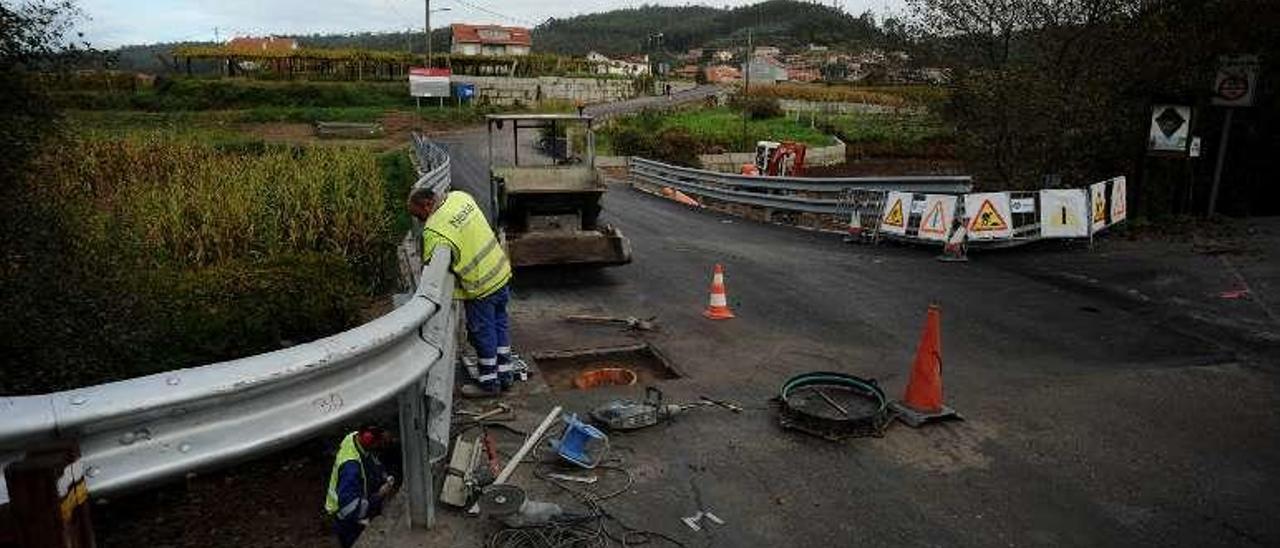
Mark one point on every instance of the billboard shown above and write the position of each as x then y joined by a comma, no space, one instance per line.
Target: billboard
429,82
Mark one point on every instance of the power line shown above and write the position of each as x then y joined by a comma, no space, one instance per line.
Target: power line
465,3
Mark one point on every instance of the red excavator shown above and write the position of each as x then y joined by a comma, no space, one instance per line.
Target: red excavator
785,159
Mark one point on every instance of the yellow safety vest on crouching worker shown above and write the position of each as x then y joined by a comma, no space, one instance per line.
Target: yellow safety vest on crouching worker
347,452
478,261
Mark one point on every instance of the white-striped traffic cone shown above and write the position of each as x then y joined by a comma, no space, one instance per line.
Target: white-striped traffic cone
718,305
955,250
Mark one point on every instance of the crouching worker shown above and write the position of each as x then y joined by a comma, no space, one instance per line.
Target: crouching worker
483,273
358,484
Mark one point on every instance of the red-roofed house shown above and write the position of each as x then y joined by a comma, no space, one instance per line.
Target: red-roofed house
723,74
270,43
490,40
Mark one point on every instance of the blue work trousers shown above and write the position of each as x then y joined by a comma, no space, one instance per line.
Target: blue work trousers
487,331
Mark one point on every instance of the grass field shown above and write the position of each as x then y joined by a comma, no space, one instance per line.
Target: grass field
723,128
910,134
930,97
709,130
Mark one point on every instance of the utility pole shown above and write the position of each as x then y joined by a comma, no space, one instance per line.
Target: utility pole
746,91
428,26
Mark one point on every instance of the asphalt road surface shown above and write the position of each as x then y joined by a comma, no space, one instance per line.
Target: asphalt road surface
1088,423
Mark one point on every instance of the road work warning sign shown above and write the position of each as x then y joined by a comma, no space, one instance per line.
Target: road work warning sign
1098,199
988,215
1064,213
939,211
895,215
1118,200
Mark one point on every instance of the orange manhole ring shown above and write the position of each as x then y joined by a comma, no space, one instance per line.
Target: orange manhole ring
605,376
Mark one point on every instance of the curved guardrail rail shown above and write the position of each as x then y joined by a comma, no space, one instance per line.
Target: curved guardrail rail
433,164
936,184
136,432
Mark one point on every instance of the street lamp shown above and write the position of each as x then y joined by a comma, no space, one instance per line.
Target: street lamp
429,11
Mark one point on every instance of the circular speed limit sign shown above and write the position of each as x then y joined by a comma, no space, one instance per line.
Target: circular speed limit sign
1233,87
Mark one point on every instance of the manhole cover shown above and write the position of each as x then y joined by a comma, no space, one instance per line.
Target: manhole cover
560,368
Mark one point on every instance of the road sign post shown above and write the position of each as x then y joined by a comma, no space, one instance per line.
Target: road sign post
1234,86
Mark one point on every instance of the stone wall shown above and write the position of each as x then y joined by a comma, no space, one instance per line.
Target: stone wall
798,106
505,91
731,162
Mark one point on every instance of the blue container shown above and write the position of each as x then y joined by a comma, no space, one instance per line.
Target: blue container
581,443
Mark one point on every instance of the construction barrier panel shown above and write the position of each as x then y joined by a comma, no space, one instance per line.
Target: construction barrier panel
989,216
939,213
1064,213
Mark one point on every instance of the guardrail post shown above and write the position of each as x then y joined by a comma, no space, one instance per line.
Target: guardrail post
49,498
439,406
413,442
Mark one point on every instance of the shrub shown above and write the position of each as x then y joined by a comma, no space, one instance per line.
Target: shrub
676,146
757,107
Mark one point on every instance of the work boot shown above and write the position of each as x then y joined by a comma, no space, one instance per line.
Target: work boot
476,391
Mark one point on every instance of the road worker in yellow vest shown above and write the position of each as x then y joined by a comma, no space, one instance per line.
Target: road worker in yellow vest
358,483
483,273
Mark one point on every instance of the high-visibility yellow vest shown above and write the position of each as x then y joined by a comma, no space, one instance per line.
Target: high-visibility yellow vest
347,451
478,261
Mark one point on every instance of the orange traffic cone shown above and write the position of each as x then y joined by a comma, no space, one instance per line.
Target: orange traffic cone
685,199
718,306
855,227
922,402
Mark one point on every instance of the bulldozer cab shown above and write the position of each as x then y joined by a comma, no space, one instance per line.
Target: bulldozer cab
547,195
547,147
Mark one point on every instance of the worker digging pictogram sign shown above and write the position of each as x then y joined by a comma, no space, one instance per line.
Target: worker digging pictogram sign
895,216
939,211
988,215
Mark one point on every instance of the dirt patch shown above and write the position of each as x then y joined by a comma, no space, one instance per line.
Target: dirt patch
275,501
559,369
281,132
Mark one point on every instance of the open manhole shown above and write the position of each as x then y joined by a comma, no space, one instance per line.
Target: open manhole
562,367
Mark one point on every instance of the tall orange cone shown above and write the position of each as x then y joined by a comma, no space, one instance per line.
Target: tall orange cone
718,306
922,402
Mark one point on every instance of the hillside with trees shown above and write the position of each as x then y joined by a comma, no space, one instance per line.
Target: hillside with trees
783,23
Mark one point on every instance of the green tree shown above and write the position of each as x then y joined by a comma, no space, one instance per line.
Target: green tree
1065,86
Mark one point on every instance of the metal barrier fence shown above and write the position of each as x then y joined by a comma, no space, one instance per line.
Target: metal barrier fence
827,198
925,208
433,164
137,432
991,219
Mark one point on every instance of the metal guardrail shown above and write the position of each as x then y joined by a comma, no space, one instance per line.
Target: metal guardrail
137,432
939,184
433,164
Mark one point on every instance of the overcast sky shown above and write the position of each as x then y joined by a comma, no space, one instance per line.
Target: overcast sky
115,23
